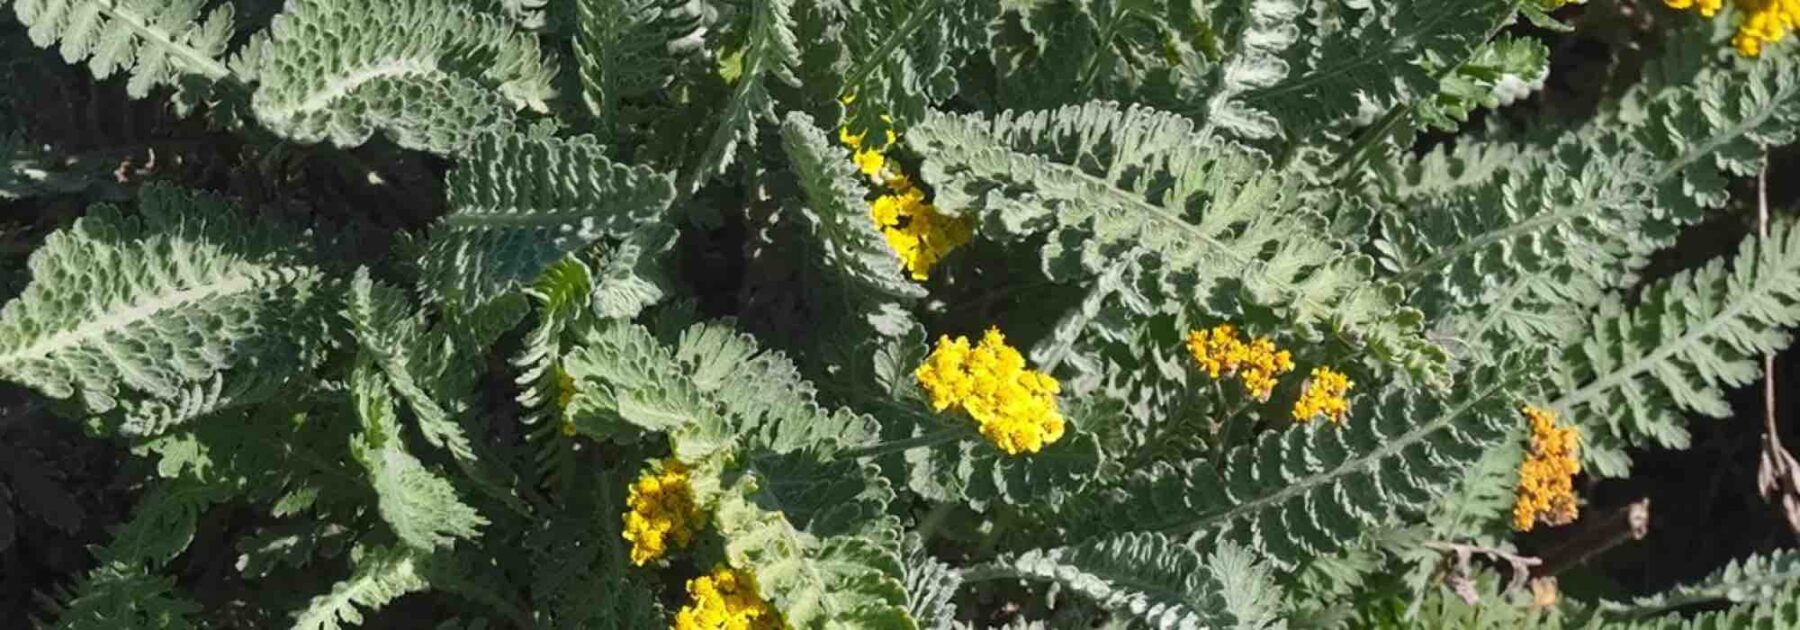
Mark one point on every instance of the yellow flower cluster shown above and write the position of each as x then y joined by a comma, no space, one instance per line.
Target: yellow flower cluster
660,509
1764,21
1323,394
1706,8
919,234
1222,353
726,600
1015,406
1547,476
870,160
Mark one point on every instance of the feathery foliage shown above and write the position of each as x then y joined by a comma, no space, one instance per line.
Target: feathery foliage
340,71
156,42
520,204
158,304
1136,188
642,313
1685,340
1157,580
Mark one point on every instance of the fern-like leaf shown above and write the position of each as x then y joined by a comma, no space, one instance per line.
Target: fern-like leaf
1756,578
124,591
157,42
815,535
416,360
1155,580
1781,610
837,214
1113,187
769,48
431,75
1371,58
127,597
157,304
626,49
381,575
1308,490
1582,217
420,506
894,57
931,587
519,204
1267,31
716,389
1687,339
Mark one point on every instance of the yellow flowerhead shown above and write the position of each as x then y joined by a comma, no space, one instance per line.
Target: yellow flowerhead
915,230
1222,353
1546,489
1706,8
1764,22
1014,406
1323,394
1761,22
660,510
919,235
726,600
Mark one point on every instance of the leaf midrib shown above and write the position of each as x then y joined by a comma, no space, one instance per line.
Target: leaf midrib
1764,286
1701,150
1349,466
144,309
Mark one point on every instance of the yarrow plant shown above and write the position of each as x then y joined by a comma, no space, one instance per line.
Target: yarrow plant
651,313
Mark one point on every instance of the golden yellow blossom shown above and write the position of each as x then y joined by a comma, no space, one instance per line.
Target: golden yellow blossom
726,600
919,235
1222,353
1762,22
660,511
871,160
915,230
1705,7
1546,489
1323,394
1014,406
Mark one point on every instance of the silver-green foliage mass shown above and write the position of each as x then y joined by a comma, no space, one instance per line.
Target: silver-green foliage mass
515,313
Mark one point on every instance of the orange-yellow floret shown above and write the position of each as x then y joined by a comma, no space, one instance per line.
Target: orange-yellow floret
1222,353
1323,395
919,235
660,512
1762,22
915,230
1014,406
1546,491
726,599
1706,8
